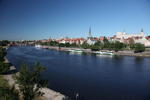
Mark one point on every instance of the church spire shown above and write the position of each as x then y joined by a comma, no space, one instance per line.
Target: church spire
90,33
142,30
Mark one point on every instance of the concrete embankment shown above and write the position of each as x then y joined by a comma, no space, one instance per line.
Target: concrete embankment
48,93
131,53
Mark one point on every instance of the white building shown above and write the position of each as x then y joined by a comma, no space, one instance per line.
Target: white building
91,41
138,38
124,35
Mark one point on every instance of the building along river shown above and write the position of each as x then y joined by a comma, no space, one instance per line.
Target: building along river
92,77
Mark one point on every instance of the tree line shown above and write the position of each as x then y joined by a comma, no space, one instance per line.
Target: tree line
101,45
4,42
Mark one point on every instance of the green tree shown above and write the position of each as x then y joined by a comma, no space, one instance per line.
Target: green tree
4,43
67,45
2,54
85,45
74,45
106,43
95,48
8,93
118,46
4,68
30,81
61,45
105,40
139,48
53,43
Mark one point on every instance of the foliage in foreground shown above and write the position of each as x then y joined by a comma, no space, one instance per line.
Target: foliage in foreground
30,81
2,54
7,93
4,68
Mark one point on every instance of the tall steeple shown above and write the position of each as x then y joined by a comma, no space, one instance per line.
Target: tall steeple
142,30
90,33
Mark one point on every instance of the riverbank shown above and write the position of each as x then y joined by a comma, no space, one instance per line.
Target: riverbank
119,53
48,93
131,53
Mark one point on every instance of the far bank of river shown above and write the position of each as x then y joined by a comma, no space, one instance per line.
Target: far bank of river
119,53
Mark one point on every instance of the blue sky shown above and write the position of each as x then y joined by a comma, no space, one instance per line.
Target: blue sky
40,19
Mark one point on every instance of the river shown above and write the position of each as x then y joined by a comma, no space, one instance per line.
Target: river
92,77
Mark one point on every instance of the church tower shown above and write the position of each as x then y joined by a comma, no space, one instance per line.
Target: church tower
142,32
90,33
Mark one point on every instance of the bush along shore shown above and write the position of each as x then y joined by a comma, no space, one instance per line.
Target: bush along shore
26,84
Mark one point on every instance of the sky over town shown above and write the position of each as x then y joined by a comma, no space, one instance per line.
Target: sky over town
42,19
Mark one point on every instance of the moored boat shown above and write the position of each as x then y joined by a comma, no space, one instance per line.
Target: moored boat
75,50
38,46
104,53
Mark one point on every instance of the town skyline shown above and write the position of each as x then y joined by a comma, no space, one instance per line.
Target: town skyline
88,34
30,20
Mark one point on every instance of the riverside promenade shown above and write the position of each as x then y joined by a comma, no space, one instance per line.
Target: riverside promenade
48,93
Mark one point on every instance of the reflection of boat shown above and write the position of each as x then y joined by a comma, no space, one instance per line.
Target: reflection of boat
38,46
75,50
104,53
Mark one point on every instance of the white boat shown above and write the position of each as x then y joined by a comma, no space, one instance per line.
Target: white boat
38,46
104,53
70,50
75,50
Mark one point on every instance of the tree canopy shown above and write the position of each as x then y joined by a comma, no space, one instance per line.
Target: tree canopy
139,48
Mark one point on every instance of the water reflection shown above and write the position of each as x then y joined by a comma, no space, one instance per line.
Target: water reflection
139,60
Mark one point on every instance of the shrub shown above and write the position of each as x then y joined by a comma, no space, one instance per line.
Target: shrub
8,94
2,54
4,67
139,48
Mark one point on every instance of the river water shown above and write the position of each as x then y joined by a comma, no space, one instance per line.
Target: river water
92,77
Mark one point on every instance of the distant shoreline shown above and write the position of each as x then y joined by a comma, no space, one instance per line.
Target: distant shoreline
119,53
131,53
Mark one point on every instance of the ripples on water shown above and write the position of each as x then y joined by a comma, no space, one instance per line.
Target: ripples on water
93,77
